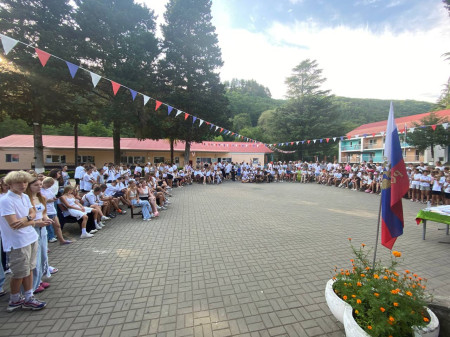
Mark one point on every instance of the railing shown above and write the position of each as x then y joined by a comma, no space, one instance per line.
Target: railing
351,147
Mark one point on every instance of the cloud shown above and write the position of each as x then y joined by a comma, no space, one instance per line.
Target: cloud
357,62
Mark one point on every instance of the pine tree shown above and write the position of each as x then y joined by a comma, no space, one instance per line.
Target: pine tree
189,69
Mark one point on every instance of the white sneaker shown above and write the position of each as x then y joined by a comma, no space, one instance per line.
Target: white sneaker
102,224
93,231
98,226
104,218
87,235
158,207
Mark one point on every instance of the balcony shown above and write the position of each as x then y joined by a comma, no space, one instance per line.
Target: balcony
356,147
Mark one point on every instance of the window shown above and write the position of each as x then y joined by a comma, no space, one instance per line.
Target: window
139,160
55,159
158,160
255,161
12,158
86,159
204,160
225,159
177,160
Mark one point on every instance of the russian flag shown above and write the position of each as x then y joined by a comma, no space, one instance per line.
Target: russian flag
394,186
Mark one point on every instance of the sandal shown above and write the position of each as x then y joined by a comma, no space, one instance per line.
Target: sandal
54,271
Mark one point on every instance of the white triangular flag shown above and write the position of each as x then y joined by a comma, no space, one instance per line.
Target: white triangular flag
297,142
146,98
334,139
178,112
201,122
411,130
217,128
314,141
8,43
95,78
445,125
382,133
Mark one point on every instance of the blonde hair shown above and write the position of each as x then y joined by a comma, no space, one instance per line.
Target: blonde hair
48,180
67,189
18,177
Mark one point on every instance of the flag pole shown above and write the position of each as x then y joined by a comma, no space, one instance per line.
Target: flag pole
378,224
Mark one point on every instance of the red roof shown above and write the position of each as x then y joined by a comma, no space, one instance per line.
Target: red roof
106,143
378,127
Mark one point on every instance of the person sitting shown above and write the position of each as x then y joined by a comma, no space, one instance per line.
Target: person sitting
133,197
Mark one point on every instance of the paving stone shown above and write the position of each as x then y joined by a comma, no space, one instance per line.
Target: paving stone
235,259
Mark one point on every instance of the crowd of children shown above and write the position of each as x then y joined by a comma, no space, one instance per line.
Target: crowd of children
31,204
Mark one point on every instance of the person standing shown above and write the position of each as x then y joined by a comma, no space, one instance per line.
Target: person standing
19,240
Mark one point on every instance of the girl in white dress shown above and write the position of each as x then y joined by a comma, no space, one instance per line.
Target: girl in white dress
75,209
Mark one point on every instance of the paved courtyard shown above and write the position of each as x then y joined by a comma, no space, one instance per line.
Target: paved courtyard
229,260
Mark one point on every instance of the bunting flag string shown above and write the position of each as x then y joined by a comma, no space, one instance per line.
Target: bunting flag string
9,43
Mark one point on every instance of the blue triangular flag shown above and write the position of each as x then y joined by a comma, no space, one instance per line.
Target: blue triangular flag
169,109
133,93
194,119
321,140
303,142
72,68
342,137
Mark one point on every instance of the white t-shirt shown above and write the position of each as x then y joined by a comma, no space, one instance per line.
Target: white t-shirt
87,182
47,193
79,172
19,205
425,181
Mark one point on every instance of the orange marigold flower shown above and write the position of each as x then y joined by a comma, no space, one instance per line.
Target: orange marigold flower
394,279
396,253
395,304
375,276
369,327
358,301
345,297
367,268
356,312
426,319
353,295
420,279
363,245
363,275
349,239
359,284
351,260
414,286
385,277
376,294
396,274
334,277
382,309
407,271
393,291
392,319
409,293
347,274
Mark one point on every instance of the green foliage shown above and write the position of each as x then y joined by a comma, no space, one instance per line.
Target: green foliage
189,69
385,301
423,138
247,87
306,80
360,111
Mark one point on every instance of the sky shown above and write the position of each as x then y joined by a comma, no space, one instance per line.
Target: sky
385,49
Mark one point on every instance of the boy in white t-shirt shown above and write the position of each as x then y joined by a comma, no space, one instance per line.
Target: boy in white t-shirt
20,240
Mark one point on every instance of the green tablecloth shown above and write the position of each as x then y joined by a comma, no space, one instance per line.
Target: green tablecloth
425,215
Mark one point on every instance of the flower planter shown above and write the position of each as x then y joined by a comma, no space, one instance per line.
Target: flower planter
335,303
352,329
343,312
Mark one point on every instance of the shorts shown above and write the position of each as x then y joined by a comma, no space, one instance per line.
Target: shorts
169,176
416,186
424,188
436,192
447,195
118,194
23,260
77,181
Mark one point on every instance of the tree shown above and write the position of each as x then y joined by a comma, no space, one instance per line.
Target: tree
189,69
308,114
29,91
247,87
426,137
306,80
124,49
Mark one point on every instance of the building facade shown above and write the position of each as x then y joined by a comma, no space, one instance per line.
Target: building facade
366,142
17,151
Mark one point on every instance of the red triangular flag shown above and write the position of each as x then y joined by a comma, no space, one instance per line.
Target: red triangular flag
433,127
292,143
221,129
208,123
115,87
327,139
158,104
373,134
43,56
186,115
309,141
349,137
